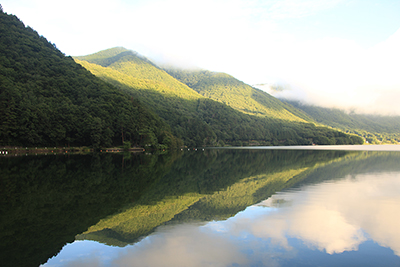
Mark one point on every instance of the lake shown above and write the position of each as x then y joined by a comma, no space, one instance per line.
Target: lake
259,206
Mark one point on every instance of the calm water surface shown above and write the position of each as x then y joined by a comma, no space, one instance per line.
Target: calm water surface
217,207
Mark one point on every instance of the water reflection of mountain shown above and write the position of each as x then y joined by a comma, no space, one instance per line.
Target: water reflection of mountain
365,162
215,184
46,201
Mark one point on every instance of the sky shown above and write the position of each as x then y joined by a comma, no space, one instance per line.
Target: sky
331,53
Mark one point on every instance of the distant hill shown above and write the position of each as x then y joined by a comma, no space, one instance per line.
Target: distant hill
375,129
46,99
202,120
238,95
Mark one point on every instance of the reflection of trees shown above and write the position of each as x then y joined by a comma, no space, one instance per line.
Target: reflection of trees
46,200
262,174
208,185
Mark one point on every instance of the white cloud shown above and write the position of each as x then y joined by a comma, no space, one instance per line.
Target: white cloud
339,73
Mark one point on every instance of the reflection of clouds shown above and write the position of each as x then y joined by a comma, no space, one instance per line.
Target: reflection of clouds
83,254
329,230
333,216
329,216
86,262
189,245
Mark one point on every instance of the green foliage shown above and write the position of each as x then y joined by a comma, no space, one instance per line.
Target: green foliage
201,121
137,71
46,99
238,95
127,145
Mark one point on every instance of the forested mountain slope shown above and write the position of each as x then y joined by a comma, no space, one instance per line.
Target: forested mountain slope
238,95
375,129
46,99
130,63
198,120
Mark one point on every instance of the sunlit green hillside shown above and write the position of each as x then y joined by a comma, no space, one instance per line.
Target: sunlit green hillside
232,92
201,121
138,72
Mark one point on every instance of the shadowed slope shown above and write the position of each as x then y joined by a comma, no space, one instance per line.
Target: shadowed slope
238,95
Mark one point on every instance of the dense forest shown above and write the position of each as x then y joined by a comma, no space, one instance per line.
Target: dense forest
46,99
200,120
238,95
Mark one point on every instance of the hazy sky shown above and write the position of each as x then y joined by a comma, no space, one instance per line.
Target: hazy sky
342,53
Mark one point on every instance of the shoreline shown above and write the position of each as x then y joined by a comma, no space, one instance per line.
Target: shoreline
20,151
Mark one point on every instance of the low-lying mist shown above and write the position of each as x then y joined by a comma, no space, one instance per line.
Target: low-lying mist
375,100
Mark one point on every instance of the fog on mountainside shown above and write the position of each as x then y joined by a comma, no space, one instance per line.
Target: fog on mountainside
374,128
370,99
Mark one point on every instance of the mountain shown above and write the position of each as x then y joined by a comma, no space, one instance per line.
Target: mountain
238,95
130,64
200,119
375,129
46,99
